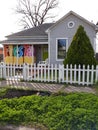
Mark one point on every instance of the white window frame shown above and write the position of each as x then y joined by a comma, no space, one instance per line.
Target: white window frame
57,48
71,22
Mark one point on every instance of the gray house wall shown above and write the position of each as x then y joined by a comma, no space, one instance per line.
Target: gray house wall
61,30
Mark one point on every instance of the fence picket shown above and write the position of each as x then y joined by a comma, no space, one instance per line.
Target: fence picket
96,73
88,75
55,73
34,71
66,74
92,74
14,70
41,73
38,69
79,70
48,73
52,72
44,73
71,73
83,75
30,72
75,74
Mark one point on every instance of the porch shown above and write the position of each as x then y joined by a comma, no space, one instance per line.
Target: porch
25,53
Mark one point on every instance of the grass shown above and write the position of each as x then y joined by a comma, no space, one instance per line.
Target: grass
3,91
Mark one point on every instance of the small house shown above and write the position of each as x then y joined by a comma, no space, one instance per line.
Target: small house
47,42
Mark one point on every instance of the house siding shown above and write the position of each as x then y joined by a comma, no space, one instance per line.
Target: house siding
61,30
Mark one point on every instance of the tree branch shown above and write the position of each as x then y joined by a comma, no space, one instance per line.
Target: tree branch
35,13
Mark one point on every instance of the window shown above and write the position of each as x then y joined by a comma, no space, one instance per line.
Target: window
61,48
71,24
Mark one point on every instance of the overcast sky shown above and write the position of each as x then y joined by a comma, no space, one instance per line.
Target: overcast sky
9,20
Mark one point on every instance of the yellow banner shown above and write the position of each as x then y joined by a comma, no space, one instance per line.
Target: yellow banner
19,54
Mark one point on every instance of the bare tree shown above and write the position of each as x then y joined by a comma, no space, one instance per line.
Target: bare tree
35,12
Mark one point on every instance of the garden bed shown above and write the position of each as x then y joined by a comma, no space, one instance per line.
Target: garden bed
13,92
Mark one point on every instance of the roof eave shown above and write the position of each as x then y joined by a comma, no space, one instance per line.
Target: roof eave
24,43
28,37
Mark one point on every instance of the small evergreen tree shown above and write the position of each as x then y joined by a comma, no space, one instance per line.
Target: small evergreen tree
80,51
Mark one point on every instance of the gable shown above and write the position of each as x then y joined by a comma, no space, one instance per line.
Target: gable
71,13
62,28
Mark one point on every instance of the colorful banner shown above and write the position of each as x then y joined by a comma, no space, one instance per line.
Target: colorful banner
19,54
8,57
28,54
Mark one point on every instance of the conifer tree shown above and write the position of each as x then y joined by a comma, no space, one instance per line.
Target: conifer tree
80,51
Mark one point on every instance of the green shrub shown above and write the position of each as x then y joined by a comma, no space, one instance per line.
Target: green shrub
80,50
77,111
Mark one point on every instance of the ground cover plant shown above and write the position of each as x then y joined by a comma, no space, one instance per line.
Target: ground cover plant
75,111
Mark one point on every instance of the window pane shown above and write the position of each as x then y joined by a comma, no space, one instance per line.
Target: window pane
61,46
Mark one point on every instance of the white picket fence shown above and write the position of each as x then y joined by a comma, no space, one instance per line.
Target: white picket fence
50,73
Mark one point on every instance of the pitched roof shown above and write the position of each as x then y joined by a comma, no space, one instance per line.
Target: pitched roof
35,31
42,29
69,13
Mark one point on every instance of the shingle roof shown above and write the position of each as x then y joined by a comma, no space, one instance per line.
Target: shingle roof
35,31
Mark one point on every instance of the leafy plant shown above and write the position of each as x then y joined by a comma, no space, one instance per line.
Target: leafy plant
75,111
3,91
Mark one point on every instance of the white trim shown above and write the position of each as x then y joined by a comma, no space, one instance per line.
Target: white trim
31,43
57,48
71,22
25,37
49,48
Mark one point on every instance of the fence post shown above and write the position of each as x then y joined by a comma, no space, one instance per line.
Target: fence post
61,73
24,72
4,71
92,75
96,73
